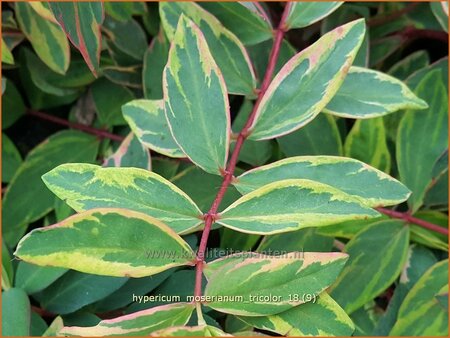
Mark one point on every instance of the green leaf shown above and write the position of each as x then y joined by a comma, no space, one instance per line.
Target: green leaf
196,101
27,199
187,331
7,268
306,84
12,105
38,325
75,290
110,242
319,137
293,204
226,49
136,324
199,185
301,240
134,286
155,58
249,25
86,186
440,11
252,152
368,93
302,14
147,120
408,65
122,33
366,141
108,97
322,317
33,278
46,37
278,282
131,153
11,159
348,229
353,177
421,313
124,76
422,138
7,56
122,11
81,21
377,255
428,237
16,317
418,262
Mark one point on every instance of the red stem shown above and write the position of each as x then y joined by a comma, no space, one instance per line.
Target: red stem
412,33
410,219
212,215
91,130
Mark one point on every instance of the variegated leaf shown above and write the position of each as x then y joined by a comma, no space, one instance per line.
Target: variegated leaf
147,120
46,37
86,186
81,21
248,20
196,101
377,255
353,177
226,49
109,242
368,93
322,317
131,153
187,331
291,205
366,141
302,14
306,84
440,11
422,138
140,323
421,313
266,285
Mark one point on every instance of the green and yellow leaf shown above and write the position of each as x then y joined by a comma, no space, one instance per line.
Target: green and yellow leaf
81,21
302,14
377,256
136,324
306,84
228,52
147,120
110,242
421,313
27,199
276,283
46,37
422,138
196,101
323,317
353,177
366,142
290,205
86,186
367,93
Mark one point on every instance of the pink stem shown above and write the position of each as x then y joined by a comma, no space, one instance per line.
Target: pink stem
211,215
410,219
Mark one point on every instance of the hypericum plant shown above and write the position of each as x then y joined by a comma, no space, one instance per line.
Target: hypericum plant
132,222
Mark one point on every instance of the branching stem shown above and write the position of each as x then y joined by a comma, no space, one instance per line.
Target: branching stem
211,215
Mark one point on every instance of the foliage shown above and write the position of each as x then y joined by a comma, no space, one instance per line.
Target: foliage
224,168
